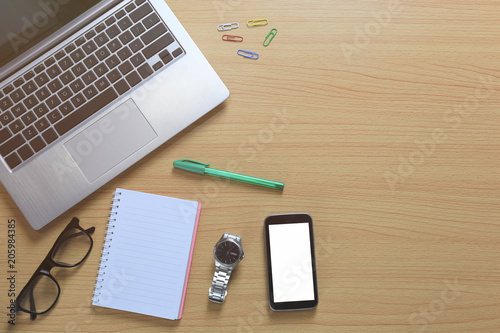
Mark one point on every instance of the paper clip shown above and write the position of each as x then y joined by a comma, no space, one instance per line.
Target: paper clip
227,26
248,54
232,38
270,36
254,23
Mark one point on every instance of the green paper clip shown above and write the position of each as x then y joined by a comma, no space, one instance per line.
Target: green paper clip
270,36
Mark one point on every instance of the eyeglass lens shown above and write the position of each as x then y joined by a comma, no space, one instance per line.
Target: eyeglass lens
41,294
72,247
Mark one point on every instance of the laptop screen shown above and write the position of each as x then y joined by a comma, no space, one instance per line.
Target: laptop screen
24,23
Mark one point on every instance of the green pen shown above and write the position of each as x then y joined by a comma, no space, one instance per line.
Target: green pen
203,169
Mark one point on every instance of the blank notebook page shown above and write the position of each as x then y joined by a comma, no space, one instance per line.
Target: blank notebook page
147,254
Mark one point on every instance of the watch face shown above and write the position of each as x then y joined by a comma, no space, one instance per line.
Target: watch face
227,252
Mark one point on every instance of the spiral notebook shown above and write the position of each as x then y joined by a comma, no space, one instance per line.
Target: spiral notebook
147,254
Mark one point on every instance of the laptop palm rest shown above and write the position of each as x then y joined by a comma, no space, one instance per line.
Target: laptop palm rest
110,140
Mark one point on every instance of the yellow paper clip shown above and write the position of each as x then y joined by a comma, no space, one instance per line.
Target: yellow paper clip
254,23
227,26
270,36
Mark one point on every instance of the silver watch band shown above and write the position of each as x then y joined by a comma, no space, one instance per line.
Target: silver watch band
218,290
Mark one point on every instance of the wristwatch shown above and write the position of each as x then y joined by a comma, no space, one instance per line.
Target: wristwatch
228,252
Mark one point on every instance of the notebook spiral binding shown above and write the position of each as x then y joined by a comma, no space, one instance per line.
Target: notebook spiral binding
105,248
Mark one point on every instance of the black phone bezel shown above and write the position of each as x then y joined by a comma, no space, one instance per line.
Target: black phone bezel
290,219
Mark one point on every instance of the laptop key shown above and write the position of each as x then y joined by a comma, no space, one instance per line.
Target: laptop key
49,136
8,89
100,27
90,61
124,23
18,82
42,79
29,87
151,20
101,69
78,100
54,116
102,84
80,41
110,21
42,124
77,55
70,48
158,65
6,117
54,85
124,53
89,47
77,85
81,114
52,102
114,45
154,33
91,34
137,59
177,52
65,63
166,57
133,79
28,118
137,29
41,110
16,126
89,77
30,132
64,94
59,55
9,146
30,102
66,108
145,70
28,76
101,39
5,103
37,144
126,67
17,95
54,71
13,160
112,61
139,2
158,46
126,37
90,92
5,135
113,31
49,62
141,12
130,7
79,69
103,53
136,45
39,68
25,152
67,77
42,94
120,14
18,110
114,76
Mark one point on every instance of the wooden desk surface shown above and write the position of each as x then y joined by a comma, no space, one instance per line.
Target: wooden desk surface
382,118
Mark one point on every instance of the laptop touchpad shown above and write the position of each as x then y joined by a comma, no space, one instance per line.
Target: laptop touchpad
110,140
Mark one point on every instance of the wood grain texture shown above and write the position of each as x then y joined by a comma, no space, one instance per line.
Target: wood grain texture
382,119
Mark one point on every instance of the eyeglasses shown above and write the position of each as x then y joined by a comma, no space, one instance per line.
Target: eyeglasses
42,291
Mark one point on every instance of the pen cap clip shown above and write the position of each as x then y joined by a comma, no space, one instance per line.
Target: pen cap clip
191,165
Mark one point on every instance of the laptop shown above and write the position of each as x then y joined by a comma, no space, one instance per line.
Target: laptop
88,88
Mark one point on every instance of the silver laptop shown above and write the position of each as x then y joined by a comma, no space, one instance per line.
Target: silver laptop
88,88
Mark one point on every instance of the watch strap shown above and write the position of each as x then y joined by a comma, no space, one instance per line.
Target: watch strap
218,291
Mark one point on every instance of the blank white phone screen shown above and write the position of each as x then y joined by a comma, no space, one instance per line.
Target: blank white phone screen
291,262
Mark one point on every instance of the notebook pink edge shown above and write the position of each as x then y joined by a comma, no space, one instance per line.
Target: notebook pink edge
190,259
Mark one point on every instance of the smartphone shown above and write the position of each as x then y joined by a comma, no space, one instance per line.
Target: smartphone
291,262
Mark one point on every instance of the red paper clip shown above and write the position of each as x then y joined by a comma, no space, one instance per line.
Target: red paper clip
232,38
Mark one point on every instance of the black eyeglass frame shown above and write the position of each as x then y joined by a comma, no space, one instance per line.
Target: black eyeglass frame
47,264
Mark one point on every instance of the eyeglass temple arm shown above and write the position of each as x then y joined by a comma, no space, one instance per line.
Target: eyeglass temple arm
32,304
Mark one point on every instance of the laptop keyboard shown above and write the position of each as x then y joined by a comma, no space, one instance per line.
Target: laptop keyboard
81,78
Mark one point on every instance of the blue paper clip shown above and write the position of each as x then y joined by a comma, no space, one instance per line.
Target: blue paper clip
248,54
